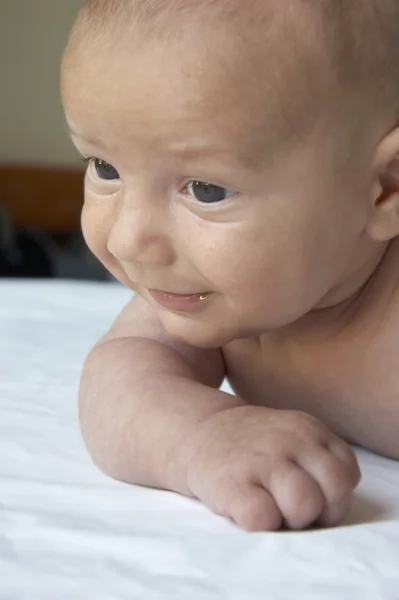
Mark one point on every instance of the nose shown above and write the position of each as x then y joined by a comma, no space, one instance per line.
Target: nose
139,235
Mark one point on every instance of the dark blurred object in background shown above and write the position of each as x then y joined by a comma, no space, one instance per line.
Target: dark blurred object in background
31,253
22,253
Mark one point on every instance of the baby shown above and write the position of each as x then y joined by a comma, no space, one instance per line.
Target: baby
243,180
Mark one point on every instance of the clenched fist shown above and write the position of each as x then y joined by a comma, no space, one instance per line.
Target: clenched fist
266,469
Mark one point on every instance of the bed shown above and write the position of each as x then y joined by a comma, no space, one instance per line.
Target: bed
67,532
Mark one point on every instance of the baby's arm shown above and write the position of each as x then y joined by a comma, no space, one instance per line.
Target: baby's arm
151,414
142,398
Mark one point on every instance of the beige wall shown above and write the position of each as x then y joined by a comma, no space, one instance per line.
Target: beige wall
32,36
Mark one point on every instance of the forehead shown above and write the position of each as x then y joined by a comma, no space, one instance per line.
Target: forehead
209,87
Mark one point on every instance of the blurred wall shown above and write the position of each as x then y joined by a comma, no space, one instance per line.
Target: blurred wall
32,37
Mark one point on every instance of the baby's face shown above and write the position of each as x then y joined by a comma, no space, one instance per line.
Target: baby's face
198,190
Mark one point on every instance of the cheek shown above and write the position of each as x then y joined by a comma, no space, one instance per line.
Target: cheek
96,220
267,267
95,226
239,256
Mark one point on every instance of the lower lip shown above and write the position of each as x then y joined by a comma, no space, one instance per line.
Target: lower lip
178,301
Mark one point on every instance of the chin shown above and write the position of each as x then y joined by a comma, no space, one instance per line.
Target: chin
196,333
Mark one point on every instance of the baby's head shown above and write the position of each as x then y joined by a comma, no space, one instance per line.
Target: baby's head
245,152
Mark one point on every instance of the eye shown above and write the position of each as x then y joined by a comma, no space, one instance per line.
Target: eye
105,170
208,193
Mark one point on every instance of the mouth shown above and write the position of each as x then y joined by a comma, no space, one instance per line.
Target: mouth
179,302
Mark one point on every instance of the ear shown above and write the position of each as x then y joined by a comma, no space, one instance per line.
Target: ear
384,221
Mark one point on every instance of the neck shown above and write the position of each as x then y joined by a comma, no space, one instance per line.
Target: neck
344,302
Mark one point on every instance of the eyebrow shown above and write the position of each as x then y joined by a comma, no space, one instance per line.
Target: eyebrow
92,141
243,159
194,151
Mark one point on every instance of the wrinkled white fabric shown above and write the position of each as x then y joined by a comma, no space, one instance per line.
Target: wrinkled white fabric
67,532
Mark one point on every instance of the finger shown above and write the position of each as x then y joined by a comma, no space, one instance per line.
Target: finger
254,509
336,483
297,495
334,513
345,453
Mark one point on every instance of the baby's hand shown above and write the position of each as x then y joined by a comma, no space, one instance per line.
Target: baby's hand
266,469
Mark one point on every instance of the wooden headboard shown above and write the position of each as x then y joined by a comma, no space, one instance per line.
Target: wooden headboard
48,198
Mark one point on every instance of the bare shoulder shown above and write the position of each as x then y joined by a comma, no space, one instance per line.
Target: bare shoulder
139,320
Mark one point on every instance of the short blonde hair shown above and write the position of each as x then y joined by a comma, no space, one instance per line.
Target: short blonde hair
358,39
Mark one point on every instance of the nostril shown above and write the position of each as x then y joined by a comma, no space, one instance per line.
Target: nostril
140,249
118,250
137,236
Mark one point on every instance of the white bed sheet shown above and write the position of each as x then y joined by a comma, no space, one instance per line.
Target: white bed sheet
69,532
